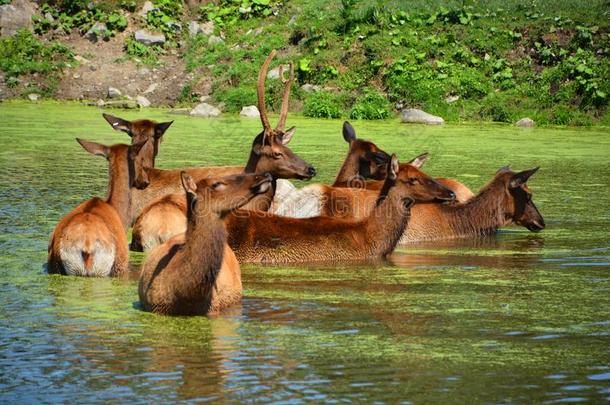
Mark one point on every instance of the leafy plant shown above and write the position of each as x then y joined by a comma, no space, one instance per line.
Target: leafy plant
372,106
322,105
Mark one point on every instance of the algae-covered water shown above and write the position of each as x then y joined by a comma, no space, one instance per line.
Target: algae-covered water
519,317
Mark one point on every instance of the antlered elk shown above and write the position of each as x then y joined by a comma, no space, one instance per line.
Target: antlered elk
196,273
161,210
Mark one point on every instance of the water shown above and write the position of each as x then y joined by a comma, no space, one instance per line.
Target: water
518,317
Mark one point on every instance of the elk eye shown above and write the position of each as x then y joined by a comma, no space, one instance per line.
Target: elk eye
219,185
412,181
277,155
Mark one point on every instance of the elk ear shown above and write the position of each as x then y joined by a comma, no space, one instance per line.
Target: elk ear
503,169
135,148
118,124
393,167
419,161
94,148
188,184
161,128
521,178
349,133
287,136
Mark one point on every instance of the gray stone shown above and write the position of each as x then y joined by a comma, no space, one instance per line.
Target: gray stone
148,38
142,101
205,110
250,111
127,104
207,28
293,20
148,6
415,116
100,103
214,40
193,28
204,99
310,88
113,92
525,122
81,60
96,32
49,17
275,72
151,88
451,99
15,16
33,96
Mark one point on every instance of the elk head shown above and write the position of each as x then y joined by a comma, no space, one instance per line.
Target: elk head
135,169
140,130
269,151
224,194
370,160
520,207
413,184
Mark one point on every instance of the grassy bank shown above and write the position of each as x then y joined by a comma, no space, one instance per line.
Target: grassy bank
467,60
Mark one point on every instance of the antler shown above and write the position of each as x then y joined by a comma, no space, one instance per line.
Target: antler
285,99
262,74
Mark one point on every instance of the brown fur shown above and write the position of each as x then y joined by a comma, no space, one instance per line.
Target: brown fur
189,274
493,207
94,232
264,237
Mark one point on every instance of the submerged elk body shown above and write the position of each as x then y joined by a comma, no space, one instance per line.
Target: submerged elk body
90,240
271,238
196,273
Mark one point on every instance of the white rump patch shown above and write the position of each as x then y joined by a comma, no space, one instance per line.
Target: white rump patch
74,265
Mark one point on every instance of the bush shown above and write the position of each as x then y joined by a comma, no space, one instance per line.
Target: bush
23,53
495,108
322,105
372,106
236,98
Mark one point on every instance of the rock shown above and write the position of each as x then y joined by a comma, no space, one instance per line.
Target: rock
275,72
214,40
49,17
205,110
15,16
451,99
147,38
148,6
113,93
250,111
193,28
76,76
525,123
151,88
292,21
100,103
128,104
81,60
207,28
96,32
310,88
142,101
415,116
144,71
33,96
204,99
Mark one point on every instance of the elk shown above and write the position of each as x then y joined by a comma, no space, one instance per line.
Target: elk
196,273
90,240
269,153
269,238
503,201
462,192
165,216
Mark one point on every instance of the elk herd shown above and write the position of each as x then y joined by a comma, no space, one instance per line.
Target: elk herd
197,224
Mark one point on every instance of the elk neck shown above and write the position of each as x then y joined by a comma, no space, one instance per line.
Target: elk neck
119,190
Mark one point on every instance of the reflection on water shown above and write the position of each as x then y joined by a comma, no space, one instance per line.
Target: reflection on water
518,317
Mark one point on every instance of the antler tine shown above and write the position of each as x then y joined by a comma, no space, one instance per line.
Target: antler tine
286,98
260,90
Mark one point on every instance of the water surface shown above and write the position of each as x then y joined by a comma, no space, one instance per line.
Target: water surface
518,317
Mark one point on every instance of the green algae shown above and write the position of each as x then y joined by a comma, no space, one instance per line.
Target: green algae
488,319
